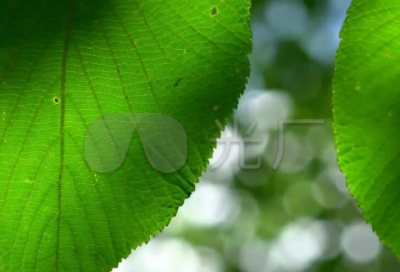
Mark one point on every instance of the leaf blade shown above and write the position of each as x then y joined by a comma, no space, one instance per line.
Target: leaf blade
366,113
119,57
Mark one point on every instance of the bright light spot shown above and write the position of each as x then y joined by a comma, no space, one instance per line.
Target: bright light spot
330,189
163,255
266,108
338,179
328,233
253,256
225,160
299,245
296,156
302,243
255,144
360,243
322,44
289,19
337,9
209,205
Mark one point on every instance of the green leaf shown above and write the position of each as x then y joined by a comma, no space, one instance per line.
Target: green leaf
107,108
366,101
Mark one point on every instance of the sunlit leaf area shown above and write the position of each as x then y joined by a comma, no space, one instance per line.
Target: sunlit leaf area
273,198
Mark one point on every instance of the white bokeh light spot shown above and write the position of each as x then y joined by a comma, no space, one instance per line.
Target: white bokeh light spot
359,243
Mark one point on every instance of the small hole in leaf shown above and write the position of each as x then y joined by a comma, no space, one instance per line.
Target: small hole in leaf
56,100
214,11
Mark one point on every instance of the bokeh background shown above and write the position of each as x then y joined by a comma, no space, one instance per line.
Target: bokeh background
298,216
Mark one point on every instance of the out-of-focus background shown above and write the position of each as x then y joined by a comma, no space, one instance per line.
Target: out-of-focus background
273,198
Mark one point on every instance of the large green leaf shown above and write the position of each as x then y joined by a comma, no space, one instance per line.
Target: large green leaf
366,100
107,108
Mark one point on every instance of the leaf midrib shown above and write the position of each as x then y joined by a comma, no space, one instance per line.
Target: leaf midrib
62,124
